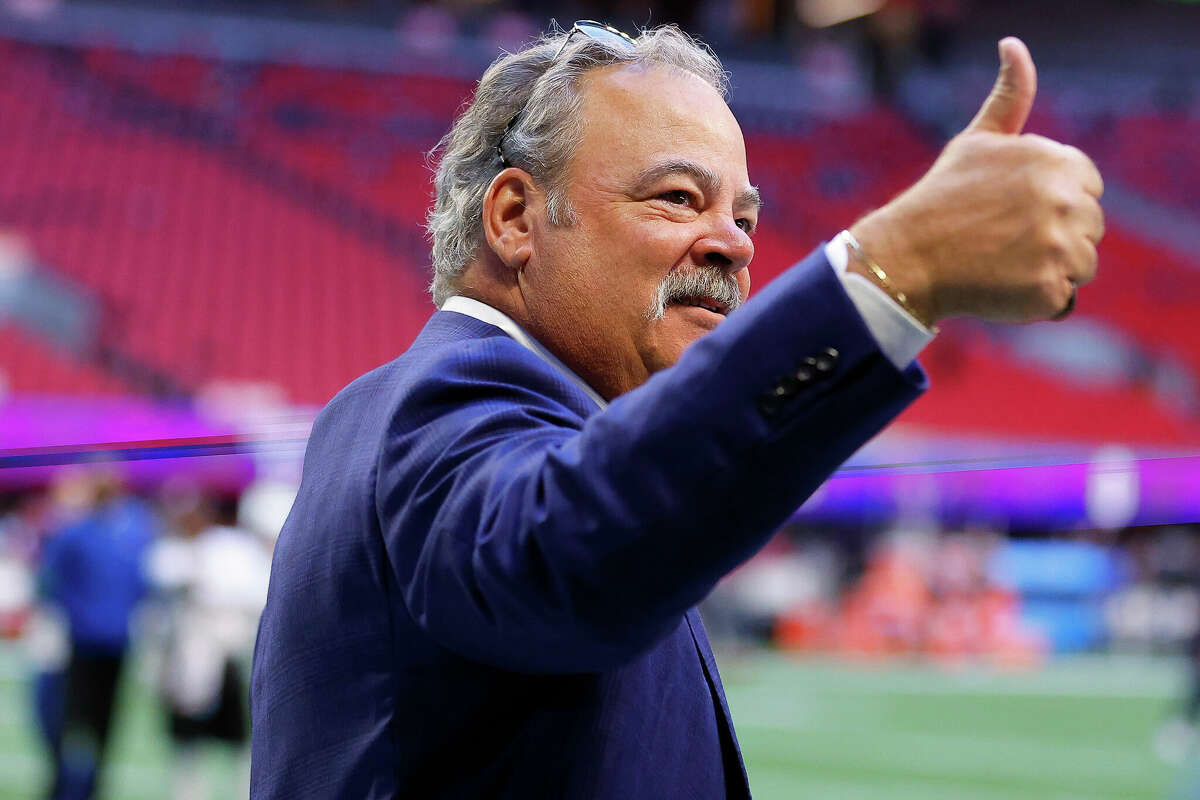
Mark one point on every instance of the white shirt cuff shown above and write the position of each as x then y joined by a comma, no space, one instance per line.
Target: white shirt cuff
897,332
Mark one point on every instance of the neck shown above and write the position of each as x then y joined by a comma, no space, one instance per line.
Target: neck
496,285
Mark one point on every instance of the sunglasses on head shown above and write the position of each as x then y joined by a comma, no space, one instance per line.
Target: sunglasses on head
584,27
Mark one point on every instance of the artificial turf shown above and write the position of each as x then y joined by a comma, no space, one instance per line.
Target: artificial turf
814,729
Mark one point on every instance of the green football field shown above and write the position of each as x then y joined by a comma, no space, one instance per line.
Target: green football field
1079,729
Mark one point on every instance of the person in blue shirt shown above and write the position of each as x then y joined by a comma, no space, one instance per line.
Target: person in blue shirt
92,572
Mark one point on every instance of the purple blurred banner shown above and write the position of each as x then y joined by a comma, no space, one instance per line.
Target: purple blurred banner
904,473
148,442
1019,484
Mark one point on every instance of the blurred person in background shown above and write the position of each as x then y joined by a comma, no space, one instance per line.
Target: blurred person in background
903,33
45,636
212,578
487,585
91,571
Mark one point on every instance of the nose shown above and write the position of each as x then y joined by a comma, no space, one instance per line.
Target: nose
724,246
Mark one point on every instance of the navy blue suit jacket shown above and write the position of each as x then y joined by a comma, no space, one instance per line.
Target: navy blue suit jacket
487,586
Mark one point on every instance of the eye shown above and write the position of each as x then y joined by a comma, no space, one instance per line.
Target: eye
678,197
746,225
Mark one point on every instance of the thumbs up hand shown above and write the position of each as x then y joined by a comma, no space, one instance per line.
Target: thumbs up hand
1004,226
1007,107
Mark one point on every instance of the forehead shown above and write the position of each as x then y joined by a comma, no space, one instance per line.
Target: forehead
634,116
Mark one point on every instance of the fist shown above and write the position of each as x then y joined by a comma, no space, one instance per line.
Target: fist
1004,226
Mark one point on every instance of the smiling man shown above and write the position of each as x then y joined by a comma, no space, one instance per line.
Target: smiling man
658,246
487,585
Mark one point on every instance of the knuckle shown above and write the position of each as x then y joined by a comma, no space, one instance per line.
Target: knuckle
1050,283
1053,246
1072,154
1063,201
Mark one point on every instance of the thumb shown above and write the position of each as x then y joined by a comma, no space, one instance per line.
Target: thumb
1008,106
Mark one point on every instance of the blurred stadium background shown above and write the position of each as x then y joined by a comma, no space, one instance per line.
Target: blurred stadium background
211,220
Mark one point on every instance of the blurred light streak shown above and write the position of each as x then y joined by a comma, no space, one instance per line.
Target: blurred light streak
238,443
132,451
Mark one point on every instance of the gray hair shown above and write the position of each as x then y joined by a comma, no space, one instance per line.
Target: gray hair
543,91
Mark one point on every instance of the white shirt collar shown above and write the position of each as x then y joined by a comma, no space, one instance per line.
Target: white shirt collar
485,313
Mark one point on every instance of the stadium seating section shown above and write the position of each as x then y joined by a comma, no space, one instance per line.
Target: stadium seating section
263,222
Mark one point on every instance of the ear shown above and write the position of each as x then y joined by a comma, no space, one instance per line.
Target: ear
511,208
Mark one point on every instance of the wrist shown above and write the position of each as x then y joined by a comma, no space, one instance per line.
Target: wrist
878,254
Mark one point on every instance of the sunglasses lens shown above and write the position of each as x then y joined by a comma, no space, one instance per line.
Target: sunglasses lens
586,27
603,33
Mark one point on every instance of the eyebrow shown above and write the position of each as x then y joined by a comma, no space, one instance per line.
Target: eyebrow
708,181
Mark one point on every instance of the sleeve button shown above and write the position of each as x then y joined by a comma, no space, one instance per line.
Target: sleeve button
788,385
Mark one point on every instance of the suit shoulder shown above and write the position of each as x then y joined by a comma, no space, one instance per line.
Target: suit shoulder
455,361
480,375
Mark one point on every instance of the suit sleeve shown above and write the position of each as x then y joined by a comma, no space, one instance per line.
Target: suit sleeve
524,536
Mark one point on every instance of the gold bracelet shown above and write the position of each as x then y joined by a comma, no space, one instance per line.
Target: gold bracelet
885,282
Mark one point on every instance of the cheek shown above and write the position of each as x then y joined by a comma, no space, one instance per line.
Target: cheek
642,271
743,280
638,252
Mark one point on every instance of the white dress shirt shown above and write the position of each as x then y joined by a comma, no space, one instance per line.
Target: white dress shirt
899,335
485,313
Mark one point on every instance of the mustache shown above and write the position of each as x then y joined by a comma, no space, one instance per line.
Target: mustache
710,282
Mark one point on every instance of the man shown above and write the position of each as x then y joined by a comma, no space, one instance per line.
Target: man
211,579
487,585
92,571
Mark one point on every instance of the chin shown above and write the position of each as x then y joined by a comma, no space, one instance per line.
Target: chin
676,332
668,352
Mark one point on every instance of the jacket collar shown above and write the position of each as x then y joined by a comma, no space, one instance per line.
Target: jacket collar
485,313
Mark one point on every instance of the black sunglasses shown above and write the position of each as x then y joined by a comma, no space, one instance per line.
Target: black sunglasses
585,27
